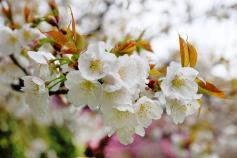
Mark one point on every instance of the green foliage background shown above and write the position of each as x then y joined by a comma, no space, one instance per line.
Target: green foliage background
16,136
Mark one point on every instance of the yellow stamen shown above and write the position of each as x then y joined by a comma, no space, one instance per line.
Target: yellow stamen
177,82
26,35
13,39
120,115
96,65
87,85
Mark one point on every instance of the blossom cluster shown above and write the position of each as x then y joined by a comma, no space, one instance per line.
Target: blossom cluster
117,82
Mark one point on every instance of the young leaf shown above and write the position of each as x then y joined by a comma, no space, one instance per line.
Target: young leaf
73,26
124,48
58,37
188,53
81,42
192,54
184,54
145,45
209,89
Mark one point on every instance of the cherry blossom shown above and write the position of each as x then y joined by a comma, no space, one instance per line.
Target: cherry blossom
82,91
9,43
36,94
180,82
95,63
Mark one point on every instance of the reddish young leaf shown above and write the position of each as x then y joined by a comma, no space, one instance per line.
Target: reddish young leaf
58,37
124,48
210,89
26,13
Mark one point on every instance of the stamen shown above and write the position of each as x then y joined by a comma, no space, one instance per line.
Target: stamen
96,65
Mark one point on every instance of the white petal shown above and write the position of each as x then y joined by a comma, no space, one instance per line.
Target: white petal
38,57
38,103
73,77
80,96
27,35
176,110
111,82
156,112
140,131
76,97
161,98
9,43
192,107
94,64
117,98
189,73
124,136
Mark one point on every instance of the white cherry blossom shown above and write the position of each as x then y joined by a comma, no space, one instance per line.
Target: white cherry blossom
180,82
36,94
10,73
127,70
120,99
42,69
122,122
147,110
112,82
82,91
179,109
27,35
95,63
143,69
9,43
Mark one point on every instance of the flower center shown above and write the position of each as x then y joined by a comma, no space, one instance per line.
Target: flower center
179,107
144,108
26,35
177,82
96,65
13,39
87,85
120,115
122,72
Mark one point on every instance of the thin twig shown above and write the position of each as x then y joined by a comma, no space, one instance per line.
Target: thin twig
58,92
18,64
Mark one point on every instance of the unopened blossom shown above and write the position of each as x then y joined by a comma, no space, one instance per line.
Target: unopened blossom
82,91
36,94
179,109
180,82
95,63
147,110
9,43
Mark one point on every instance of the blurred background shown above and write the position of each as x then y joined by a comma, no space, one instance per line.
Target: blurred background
211,25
